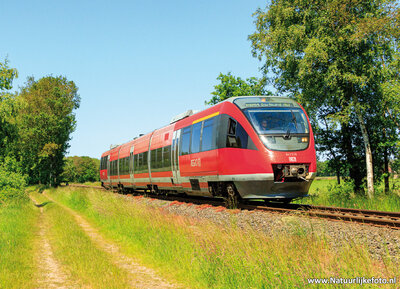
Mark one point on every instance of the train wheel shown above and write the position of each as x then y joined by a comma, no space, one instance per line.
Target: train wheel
231,199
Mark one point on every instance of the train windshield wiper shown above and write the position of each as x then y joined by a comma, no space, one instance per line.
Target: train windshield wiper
294,119
287,136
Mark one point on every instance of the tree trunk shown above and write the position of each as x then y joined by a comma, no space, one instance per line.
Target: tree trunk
368,152
338,176
354,167
386,169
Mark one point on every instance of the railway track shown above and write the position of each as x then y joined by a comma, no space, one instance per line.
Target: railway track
368,217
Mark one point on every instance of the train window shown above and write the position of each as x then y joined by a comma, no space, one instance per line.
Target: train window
231,141
195,143
185,140
140,164
159,159
232,127
131,163
167,158
137,163
145,159
241,137
153,159
236,136
125,166
207,138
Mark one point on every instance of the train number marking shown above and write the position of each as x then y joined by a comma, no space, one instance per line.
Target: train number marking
195,162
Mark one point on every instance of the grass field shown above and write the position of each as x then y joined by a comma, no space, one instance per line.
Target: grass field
326,191
17,234
200,254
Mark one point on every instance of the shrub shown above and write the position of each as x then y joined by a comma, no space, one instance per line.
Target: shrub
12,183
341,193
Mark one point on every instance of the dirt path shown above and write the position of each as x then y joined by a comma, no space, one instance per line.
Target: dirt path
139,276
50,272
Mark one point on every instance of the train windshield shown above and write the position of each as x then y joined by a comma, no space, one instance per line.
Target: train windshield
280,128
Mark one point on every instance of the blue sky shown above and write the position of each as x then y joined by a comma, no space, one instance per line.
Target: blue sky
136,63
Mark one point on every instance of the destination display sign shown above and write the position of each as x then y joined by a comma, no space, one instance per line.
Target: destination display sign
260,102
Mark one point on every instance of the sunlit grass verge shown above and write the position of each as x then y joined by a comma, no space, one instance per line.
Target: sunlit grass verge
328,193
17,234
201,254
86,264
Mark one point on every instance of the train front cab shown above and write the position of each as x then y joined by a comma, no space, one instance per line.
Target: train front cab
282,164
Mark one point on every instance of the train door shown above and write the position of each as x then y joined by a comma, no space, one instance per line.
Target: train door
108,170
175,158
118,160
131,166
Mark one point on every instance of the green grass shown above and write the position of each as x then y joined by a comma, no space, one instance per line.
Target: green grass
326,191
17,234
200,254
95,184
86,264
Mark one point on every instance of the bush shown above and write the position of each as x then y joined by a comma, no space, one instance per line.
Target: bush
341,193
12,183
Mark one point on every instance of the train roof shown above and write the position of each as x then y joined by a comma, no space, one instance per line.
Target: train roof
232,99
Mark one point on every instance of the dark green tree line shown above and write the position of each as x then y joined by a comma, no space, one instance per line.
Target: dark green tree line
81,169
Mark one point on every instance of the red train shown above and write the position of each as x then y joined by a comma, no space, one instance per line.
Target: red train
247,147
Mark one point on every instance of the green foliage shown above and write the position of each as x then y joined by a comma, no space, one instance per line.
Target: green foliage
7,109
342,192
231,86
12,182
7,75
45,121
81,169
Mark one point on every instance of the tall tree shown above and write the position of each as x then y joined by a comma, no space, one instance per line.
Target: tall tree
7,108
45,122
231,86
331,55
7,75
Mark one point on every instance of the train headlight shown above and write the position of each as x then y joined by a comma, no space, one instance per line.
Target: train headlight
304,139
